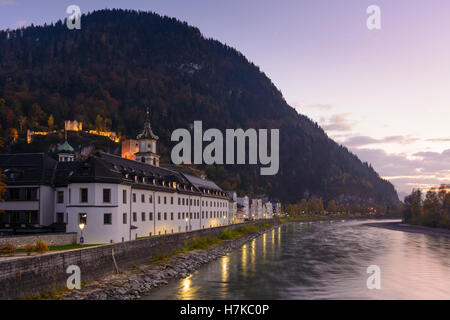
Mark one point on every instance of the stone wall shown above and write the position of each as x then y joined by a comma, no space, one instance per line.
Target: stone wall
52,239
22,277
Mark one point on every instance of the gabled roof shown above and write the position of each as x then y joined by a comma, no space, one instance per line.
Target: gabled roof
28,168
201,183
38,169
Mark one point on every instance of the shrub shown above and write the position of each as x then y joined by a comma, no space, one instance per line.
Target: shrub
28,248
200,243
41,246
8,248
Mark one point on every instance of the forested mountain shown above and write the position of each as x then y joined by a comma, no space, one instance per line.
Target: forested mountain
122,61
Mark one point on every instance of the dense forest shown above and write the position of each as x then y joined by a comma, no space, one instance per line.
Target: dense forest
122,61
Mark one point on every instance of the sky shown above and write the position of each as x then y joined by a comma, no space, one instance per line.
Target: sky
383,93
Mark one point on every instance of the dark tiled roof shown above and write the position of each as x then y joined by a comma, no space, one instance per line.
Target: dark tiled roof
38,168
28,168
202,183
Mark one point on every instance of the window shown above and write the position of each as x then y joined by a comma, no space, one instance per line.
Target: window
165,200
183,201
60,217
159,199
134,197
150,198
107,218
165,215
143,216
171,200
143,198
190,202
179,216
84,195
124,196
107,195
179,201
82,218
151,216
124,218
134,216
60,197
171,216
159,215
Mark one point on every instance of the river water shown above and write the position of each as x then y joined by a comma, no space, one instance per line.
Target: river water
323,260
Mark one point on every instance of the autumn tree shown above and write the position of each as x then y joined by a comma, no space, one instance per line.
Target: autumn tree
413,207
331,206
50,122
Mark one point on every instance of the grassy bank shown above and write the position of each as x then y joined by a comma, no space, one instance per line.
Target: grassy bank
199,243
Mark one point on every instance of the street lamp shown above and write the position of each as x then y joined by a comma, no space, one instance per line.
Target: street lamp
81,225
187,219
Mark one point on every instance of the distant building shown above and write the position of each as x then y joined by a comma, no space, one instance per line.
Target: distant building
267,210
232,206
65,152
129,149
73,125
243,208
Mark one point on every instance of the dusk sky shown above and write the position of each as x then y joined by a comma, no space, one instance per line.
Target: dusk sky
385,94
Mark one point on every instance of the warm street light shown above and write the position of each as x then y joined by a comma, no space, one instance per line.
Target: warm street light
81,225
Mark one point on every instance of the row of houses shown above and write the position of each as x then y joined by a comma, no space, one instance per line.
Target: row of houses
245,208
108,199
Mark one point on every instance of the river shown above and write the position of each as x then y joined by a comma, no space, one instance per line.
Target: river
323,260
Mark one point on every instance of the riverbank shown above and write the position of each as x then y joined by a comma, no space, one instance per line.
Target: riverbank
140,280
399,226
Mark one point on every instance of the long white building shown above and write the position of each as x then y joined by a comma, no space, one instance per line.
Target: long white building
116,199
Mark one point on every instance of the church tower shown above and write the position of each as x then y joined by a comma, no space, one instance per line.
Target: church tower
65,152
147,144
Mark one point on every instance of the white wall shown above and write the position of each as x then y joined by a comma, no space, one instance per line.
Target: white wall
161,208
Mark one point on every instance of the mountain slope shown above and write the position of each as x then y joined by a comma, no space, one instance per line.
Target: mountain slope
121,61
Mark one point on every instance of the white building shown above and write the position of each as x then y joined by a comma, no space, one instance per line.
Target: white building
116,199
232,207
243,209
267,210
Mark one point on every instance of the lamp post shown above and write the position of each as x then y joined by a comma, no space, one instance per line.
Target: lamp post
187,219
81,225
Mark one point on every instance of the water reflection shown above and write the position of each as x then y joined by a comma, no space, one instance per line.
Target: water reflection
323,261
244,261
264,245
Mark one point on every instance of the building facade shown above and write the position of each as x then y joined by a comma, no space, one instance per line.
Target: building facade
113,198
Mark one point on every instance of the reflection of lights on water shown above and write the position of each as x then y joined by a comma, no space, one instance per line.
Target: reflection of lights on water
252,254
244,260
264,245
187,284
279,237
225,263
187,292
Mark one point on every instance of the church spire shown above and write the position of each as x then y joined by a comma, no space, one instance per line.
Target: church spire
147,133
147,144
